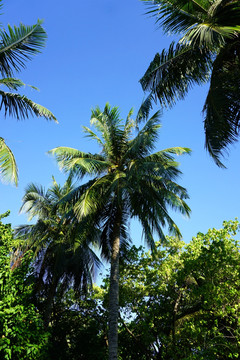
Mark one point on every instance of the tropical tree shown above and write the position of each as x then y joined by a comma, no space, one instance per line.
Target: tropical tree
17,45
183,301
208,50
60,242
128,181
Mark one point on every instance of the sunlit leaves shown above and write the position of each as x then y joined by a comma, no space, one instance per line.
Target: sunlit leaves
184,298
8,166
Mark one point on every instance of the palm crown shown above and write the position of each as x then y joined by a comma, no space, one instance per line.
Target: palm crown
208,49
126,172
128,181
60,243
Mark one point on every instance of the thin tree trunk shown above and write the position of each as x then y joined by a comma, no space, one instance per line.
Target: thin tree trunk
49,302
114,292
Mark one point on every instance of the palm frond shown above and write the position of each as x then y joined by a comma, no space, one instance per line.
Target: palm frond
92,135
93,197
73,196
18,45
78,162
144,142
158,164
21,107
36,202
222,106
129,125
154,215
173,72
112,132
175,16
12,83
145,108
206,36
8,166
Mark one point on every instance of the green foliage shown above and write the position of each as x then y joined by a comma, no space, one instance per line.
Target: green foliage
180,303
8,164
125,166
208,49
21,327
183,302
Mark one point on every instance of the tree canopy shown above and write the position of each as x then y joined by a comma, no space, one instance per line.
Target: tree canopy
21,325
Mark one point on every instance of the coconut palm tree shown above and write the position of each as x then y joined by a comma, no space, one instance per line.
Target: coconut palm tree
209,49
17,45
128,181
63,256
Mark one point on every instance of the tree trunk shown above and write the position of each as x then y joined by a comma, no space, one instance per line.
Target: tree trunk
114,292
49,302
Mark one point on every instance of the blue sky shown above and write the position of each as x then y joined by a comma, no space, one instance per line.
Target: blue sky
96,53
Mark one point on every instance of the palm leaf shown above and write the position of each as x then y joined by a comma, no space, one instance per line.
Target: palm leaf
36,202
12,83
8,166
176,16
222,106
144,142
207,36
94,196
112,132
78,162
173,72
21,107
18,45
145,108
92,135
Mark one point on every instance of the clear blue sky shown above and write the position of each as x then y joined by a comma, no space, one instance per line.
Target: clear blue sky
96,53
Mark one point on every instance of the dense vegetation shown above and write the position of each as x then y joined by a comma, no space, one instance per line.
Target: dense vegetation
182,302
21,325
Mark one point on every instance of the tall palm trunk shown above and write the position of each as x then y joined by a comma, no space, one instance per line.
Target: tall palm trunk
114,291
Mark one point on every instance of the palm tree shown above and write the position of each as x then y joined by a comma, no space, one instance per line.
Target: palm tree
208,50
128,181
60,243
17,45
